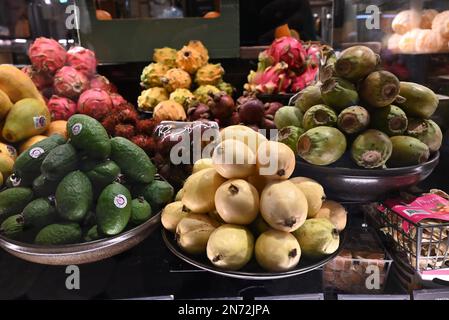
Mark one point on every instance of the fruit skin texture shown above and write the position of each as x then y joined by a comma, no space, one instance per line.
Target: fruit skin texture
391,120
243,134
176,79
201,164
334,212
322,145
283,206
204,93
277,251
209,74
140,211
199,190
27,118
150,98
57,127
233,159
189,60
14,200
380,89
290,136
113,209
101,82
38,213
158,194
47,55
339,93
8,150
275,160
151,75
17,85
6,165
356,62
5,104
274,79
28,163
89,136
420,101
141,169
12,227
74,196
166,56
83,60
42,187
288,116
319,115
59,234
237,202
61,108
371,149
172,214
309,97
314,193
182,96
353,120
103,174
230,247
201,49
169,110
59,162
427,131
70,83
41,80
317,237
95,103
408,151
193,232
288,50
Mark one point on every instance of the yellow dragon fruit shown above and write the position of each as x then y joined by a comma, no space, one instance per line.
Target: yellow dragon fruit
182,96
201,49
150,98
176,78
165,56
209,74
189,60
151,75
204,93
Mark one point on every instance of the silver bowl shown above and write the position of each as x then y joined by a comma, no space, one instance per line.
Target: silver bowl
252,271
365,185
83,252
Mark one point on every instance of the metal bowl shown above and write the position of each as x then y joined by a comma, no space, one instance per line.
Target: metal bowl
365,185
252,271
83,252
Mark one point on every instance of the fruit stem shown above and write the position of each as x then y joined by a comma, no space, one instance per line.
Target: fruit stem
293,253
233,190
216,258
335,233
290,222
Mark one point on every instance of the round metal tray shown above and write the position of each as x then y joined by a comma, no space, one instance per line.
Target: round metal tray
343,183
83,252
252,271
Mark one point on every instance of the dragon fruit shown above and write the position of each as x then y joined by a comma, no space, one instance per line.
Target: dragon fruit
273,80
117,99
95,103
41,80
189,60
305,79
288,50
83,60
103,83
70,83
47,55
61,108
313,55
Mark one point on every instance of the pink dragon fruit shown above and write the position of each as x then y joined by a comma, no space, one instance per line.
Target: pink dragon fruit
83,60
95,103
61,108
288,50
313,54
305,79
103,83
47,55
70,83
41,80
117,100
273,80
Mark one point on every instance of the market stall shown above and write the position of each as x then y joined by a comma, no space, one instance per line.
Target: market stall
154,155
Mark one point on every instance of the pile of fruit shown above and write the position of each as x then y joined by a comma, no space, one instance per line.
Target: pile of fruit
83,189
385,122
287,66
224,206
69,80
182,84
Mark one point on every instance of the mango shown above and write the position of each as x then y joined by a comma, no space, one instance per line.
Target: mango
5,104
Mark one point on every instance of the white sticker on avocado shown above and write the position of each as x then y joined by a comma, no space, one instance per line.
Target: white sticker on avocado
76,129
39,122
120,201
36,152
